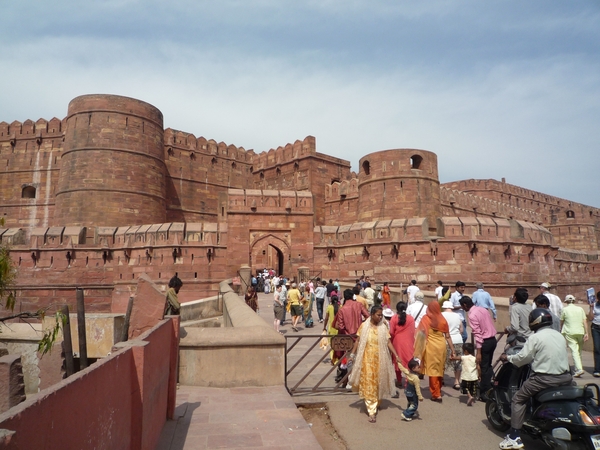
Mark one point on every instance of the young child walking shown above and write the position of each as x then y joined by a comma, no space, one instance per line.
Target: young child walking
470,374
413,388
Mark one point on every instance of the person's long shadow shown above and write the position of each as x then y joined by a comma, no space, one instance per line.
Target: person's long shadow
177,429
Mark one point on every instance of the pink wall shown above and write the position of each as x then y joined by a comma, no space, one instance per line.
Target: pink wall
121,402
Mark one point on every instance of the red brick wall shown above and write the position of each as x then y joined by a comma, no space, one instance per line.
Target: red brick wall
113,158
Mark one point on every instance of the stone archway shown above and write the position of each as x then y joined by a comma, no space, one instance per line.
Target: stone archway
271,252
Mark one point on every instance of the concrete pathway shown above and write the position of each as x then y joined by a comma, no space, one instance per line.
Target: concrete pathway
248,417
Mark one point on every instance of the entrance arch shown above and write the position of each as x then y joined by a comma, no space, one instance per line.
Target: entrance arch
271,252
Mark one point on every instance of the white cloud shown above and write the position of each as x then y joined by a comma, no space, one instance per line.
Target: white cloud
528,116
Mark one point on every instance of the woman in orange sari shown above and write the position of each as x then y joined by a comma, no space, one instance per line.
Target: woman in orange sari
386,298
430,347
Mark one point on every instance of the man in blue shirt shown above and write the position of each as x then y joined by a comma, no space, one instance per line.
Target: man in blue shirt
483,299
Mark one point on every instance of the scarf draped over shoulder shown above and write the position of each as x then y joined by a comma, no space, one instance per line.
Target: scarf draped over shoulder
432,320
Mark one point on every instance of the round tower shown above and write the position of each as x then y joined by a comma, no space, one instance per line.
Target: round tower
112,167
400,183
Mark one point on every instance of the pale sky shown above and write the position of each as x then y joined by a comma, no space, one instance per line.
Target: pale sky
495,88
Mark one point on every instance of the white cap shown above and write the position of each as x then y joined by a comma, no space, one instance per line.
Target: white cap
569,299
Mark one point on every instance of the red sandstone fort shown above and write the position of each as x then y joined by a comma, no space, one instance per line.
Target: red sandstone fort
106,194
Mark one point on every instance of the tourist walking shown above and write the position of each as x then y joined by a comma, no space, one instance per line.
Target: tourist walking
172,305
541,301
369,294
469,372
373,373
417,308
347,321
573,324
455,328
411,290
320,294
484,331
278,308
432,337
251,298
439,288
484,299
459,291
413,389
386,296
594,317
307,303
556,305
330,313
402,332
519,314
294,298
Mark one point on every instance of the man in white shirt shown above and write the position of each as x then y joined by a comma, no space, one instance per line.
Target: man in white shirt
556,305
455,299
370,295
439,289
412,290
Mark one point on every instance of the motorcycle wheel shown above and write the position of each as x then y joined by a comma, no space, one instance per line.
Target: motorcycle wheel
494,417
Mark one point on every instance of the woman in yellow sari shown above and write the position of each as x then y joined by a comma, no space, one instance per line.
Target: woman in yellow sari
373,373
430,347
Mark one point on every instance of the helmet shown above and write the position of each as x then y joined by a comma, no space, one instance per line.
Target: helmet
539,318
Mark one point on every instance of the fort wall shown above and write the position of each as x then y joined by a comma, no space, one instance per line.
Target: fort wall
29,168
399,183
106,194
113,156
53,261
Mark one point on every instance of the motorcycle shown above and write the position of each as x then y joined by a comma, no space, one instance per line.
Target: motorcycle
564,417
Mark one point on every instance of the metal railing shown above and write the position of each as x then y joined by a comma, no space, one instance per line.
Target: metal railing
339,343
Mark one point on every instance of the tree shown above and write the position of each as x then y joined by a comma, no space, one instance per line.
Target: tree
8,274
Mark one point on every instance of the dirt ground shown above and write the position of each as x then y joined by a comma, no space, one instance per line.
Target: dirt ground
317,414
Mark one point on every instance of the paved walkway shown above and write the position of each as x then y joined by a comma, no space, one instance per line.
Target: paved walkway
248,417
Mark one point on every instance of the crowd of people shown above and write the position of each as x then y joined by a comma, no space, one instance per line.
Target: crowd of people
396,349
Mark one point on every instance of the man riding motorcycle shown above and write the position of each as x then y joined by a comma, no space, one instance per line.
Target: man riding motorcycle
546,350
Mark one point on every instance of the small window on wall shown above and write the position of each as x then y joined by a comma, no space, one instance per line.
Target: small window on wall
366,167
28,192
415,161
570,214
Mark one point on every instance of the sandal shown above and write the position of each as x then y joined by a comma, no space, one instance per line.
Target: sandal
456,387
372,419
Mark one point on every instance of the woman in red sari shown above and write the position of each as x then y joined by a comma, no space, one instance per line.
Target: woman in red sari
430,347
402,331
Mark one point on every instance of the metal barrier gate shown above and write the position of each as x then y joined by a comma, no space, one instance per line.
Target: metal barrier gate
317,377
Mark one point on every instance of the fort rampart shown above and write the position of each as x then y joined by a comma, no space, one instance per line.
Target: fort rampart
106,194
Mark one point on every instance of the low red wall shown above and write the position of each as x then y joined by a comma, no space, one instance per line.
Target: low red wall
120,402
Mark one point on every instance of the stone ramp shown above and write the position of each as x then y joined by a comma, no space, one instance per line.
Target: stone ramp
228,418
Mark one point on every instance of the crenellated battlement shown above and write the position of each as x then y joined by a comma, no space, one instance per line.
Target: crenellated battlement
31,129
342,190
286,154
517,196
115,238
27,137
188,145
417,229
269,201
454,200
